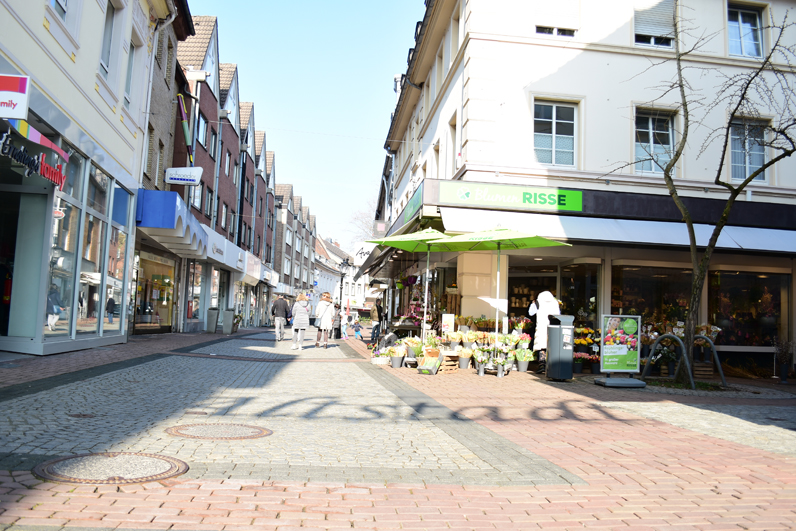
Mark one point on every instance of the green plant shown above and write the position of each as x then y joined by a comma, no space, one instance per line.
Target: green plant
237,319
433,341
465,353
524,354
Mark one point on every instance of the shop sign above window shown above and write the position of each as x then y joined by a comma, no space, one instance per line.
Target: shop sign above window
184,176
14,97
32,164
510,197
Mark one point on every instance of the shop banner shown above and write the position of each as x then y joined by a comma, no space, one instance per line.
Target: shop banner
620,345
478,195
14,97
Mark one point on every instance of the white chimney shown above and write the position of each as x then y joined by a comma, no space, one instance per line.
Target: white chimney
396,86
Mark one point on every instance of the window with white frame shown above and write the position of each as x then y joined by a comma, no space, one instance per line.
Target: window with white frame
296,271
654,141
653,22
224,217
107,40
209,203
201,130
287,266
235,175
213,143
65,16
743,25
554,133
128,83
196,197
288,237
298,245
60,7
748,152
560,32
226,165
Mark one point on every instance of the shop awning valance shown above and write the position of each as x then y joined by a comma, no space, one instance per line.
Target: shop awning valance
618,231
164,217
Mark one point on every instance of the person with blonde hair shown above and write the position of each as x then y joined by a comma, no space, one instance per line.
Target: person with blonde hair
324,315
301,320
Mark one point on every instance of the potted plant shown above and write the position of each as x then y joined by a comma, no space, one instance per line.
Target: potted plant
524,356
783,350
236,321
464,357
396,355
380,357
577,361
500,363
524,341
432,344
469,339
594,360
480,358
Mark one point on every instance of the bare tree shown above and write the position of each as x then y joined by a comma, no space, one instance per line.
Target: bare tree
361,222
743,96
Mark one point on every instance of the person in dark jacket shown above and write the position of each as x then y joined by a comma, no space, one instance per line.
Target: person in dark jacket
280,311
54,306
110,306
336,321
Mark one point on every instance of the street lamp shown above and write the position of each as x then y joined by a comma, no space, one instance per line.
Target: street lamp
345,267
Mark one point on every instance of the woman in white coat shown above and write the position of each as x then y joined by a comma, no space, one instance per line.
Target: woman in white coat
324,314
544,306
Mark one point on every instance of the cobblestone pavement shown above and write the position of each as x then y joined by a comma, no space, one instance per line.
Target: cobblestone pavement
360,446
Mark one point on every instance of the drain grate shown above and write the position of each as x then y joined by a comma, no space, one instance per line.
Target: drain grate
219,432
110,468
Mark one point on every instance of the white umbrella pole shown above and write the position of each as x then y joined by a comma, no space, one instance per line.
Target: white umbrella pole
425,299
497,299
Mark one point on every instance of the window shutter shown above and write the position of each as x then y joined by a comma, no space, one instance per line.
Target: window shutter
654,18
559,14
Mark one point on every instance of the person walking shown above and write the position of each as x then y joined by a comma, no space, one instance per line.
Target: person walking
110,306
544,306
376,314
280,311
357,329
336,321
301,320
54,306
324,315
344,327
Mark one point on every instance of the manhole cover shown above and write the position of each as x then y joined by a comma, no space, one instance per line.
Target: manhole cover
110,468
80,415
226,432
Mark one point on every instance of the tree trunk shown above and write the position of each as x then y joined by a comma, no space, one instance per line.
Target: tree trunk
691,321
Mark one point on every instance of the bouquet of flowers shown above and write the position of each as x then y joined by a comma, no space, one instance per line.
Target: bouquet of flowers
524,355
471,336
511,339
433,341
580,357
465,353
480,356
454,337
415,344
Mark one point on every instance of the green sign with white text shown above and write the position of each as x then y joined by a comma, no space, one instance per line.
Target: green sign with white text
462,193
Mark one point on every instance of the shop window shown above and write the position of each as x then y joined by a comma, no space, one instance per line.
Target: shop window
195,285
98,184
580,293
59,311
90,300
657,294
743,26
554,133
653,141
121,205
748,150
154,292
750,308
74,176
117,252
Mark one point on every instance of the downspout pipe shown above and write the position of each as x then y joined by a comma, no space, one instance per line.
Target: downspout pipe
214,213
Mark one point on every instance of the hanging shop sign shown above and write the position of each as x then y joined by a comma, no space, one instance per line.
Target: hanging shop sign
476,195
184,176
14,97
620,344
33,164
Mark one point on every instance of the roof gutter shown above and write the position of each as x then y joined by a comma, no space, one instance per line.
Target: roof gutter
420,33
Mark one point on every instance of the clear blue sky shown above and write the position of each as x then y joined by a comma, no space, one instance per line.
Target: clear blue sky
320,76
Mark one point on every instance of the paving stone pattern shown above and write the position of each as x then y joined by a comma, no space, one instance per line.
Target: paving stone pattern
248,348
331,422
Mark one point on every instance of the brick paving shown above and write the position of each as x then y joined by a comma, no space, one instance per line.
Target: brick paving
626,460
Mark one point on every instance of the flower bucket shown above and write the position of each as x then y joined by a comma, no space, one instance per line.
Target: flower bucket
500,371
396,361
577,368
595,367
522,366
464,363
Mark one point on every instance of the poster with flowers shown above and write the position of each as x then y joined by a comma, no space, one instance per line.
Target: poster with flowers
620,344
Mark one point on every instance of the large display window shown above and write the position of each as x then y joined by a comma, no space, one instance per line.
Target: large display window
580,293
750,308
154,292
61,275
195,284
89,300
657,294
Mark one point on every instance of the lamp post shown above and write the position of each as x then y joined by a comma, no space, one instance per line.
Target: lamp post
344,266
